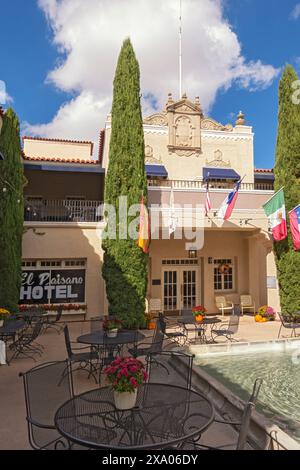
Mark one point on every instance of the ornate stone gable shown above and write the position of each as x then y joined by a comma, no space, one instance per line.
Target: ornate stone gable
184,119
210,124
158,119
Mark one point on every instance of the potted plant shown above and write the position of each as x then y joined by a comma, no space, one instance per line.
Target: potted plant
111,327
150,322
4,315
125,376
265,314
199,313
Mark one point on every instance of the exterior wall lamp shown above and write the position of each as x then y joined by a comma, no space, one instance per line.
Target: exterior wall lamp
192,254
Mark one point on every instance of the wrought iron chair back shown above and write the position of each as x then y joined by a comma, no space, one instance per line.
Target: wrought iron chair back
46,387
179,367
246,419
68,342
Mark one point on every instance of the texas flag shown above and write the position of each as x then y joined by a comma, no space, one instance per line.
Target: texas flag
227,207
276,213
295,226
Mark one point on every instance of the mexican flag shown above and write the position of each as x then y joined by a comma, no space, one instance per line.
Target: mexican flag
276,213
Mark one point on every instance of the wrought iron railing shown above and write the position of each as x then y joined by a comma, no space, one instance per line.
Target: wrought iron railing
62,210
197,184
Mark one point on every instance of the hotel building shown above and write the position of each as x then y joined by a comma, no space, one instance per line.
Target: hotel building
62,254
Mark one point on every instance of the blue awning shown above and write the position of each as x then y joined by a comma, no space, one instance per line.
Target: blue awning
66,168
220,174
264,177
156,170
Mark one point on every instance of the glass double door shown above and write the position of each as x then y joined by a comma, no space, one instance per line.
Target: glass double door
180,288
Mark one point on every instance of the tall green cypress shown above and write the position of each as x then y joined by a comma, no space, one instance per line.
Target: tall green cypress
125,265
287,175
11,211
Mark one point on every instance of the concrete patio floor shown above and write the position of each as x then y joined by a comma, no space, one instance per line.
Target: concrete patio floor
13,429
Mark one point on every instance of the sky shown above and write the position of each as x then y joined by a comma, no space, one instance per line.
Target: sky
58,57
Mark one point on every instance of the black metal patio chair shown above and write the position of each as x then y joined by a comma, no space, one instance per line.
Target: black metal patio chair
25,345
179,336
227,330
178,364
242,426
289,324
46,387
80,357
54,321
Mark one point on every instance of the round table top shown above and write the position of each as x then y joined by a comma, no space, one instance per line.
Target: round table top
99,338
163,416
207,321
12,327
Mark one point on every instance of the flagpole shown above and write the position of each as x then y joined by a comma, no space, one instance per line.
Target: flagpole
180,51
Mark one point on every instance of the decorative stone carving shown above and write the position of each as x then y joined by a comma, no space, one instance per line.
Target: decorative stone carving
159,119
149,157
240,119
209,124
184,132
218,161
184,127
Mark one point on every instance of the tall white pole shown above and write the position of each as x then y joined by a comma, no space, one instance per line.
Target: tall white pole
180,51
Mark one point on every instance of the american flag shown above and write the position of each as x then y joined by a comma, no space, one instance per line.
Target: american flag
207,199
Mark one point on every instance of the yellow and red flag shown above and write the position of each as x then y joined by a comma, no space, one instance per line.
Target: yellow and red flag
144,228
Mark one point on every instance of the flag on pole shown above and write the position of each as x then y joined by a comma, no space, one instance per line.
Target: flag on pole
276,213
173,221
207,198
227,207
144,228
295,227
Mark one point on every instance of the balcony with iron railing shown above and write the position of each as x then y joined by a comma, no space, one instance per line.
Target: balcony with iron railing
62,210
199,184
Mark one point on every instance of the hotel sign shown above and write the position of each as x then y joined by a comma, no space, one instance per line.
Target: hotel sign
53,286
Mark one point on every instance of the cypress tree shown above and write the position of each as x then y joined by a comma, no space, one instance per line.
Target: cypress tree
287,175
125,265
11,211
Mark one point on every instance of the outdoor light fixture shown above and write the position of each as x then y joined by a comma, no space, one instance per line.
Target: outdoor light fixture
192,254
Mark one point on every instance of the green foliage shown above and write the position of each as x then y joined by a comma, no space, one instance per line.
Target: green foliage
287,174
125,265
11,212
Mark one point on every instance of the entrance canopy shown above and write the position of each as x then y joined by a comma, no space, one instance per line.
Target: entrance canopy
220,174
156,170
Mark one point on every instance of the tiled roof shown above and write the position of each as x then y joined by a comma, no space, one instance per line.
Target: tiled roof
263,170
101,145
61,160
61,140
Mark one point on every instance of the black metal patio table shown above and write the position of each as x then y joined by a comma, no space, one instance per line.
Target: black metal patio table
99,338
164,417
200,327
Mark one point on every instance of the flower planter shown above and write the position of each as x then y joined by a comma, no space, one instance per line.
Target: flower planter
112,333
125,400
151,325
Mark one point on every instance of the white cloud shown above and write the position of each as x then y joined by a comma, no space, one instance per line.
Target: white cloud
4,96
89,33
295,15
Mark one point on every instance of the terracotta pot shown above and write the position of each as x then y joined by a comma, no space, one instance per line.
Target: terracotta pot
125,400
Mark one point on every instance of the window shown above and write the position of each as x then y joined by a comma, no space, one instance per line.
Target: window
180,262
223,275
27,264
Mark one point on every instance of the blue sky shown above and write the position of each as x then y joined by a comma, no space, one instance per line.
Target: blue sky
265,30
